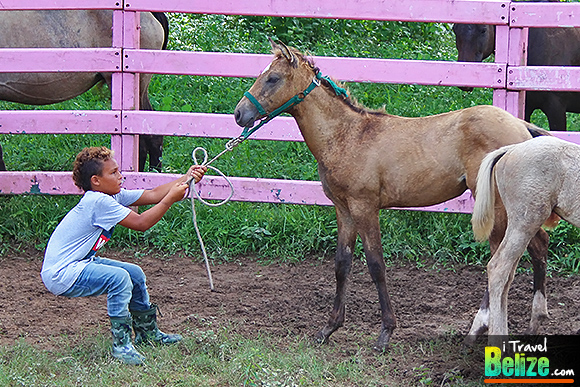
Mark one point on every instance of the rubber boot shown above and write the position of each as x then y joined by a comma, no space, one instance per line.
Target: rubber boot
146,330
123,349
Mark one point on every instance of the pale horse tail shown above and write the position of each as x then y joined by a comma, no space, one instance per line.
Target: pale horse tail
484,207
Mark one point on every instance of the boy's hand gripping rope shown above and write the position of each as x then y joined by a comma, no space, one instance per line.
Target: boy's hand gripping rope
229,146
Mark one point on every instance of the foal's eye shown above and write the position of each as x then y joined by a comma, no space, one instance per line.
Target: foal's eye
272,79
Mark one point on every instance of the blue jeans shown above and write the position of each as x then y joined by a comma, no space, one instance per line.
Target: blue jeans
124,284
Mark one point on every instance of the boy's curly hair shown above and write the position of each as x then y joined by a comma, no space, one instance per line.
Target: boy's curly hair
89,162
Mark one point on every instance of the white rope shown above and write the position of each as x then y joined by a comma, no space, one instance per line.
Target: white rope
229,146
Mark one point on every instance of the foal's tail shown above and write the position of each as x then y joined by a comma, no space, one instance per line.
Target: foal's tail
484,207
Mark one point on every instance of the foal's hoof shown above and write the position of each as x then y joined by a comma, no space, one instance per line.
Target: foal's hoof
324,334
534,327
474,333
321,338
469,340
383,340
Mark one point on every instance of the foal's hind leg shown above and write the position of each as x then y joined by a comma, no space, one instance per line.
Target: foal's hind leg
501,269
367,222
342,266
538,249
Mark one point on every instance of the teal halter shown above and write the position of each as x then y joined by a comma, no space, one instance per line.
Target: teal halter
290,103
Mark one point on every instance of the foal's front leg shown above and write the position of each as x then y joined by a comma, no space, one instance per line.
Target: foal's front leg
342,265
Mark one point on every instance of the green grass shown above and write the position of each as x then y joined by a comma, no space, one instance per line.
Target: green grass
219,357
268,231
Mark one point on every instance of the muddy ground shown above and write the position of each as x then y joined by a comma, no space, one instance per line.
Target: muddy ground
278,299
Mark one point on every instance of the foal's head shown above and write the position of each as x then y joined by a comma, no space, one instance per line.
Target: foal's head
289,74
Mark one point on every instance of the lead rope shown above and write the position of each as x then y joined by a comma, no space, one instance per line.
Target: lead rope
229,146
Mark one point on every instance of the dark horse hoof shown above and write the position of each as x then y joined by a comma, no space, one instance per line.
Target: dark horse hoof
321,338
383,340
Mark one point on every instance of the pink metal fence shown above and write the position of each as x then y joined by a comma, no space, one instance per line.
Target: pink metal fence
508,76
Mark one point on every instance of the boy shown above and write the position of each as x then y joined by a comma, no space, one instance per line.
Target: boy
71,267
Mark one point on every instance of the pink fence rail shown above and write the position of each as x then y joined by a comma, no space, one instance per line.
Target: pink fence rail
508,76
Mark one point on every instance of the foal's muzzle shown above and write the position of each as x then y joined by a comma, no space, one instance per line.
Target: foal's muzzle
245,113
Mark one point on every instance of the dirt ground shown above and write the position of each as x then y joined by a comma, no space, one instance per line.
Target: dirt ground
278,299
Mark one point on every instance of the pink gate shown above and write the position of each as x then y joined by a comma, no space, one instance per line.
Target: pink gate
508,77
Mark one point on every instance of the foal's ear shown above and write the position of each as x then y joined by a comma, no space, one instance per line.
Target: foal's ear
287,53
283,49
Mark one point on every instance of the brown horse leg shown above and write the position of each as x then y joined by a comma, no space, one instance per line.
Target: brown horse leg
376,265
538,249
342,266
554,110
2,165
367,222
149,144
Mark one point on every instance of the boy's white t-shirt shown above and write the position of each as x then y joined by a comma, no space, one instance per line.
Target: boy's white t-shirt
86,228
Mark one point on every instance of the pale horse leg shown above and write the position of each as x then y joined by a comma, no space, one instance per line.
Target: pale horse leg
538,249
525,214
500,271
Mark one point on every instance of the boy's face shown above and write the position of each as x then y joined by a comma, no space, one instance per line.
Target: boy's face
110,180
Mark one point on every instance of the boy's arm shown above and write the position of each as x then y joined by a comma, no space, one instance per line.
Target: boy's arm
144,221
156,195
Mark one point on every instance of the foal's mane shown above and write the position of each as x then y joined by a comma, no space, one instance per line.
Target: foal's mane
299,59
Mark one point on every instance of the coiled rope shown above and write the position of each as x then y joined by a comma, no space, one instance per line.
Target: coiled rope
229,146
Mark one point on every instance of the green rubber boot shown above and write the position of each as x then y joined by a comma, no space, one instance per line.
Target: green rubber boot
146,330
123,349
